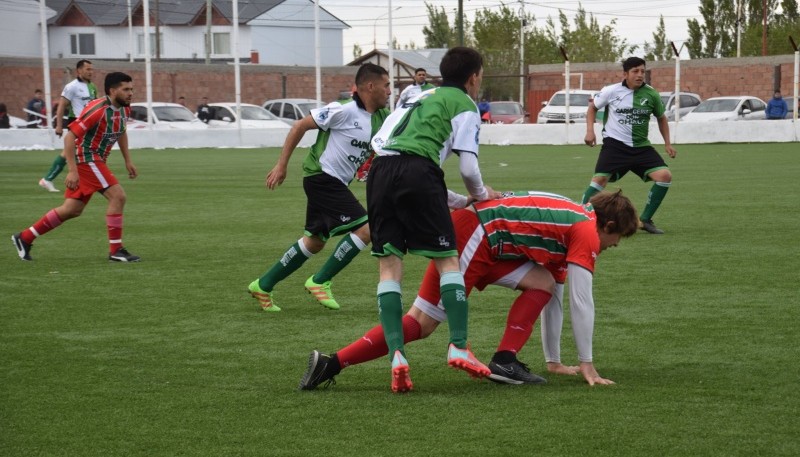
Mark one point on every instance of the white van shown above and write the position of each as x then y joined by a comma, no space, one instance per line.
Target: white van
554,111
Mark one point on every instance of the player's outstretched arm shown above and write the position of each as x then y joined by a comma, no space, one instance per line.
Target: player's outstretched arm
277,175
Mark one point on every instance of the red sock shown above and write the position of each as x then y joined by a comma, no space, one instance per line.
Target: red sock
521,317
373,344
114,224
48,222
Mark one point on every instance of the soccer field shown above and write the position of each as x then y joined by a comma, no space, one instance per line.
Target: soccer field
171,356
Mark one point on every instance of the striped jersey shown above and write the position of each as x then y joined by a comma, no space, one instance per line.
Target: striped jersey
79,93
433,125
97,130
627,112
548,229
343,142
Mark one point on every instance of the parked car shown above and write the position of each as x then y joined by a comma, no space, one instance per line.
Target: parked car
253,116
166,116
555,110
506,113
688,102
728,109
291,109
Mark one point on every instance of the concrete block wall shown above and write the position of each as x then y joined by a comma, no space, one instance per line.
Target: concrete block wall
706,77
20,77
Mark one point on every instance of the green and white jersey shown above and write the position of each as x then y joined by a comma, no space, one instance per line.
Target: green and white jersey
433,125
79,93
343,142
627,115
412,91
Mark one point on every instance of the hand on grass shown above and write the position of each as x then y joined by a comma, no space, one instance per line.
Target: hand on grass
591,376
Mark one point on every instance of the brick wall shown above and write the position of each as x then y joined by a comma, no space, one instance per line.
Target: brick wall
20,77
706,77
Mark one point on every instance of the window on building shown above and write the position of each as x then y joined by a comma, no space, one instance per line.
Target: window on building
220,43
82,44
140,44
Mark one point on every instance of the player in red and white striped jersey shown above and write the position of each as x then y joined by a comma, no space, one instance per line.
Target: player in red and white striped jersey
86,147
531,242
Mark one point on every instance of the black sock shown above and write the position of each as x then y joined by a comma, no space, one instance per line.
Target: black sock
334,367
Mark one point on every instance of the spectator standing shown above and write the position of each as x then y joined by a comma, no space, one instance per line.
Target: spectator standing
73,99
36,106
5,123
777,108
203,110
182,101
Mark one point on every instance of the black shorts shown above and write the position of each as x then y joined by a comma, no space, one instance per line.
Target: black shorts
332,209
617,158
407,205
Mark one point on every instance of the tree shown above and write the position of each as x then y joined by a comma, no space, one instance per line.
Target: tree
588,42
438,34
716,36
496,36
660,49
357,52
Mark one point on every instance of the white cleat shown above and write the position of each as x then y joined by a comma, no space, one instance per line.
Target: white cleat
48,185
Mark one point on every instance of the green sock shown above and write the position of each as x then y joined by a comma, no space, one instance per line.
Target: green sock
590,191
454,299
390,311
347,250
654,198
292,259
56,168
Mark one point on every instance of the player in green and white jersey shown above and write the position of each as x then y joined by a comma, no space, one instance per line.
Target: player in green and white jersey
75,96
407,200
420,85
628,106
343,144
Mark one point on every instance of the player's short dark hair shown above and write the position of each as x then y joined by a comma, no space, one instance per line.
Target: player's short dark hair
617,208
82,62
419,70
368,72
459,63
37,91
114,79
632,62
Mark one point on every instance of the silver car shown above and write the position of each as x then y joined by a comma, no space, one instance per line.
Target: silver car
291,109
688,102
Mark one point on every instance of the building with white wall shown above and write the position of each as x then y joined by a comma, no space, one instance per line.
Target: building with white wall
20,34
279,32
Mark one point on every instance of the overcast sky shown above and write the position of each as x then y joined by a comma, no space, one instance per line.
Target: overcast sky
636,20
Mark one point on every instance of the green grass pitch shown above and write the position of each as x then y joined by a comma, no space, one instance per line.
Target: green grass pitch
171,357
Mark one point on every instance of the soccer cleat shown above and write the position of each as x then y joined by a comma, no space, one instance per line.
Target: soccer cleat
23,248
401,381
322,292
264,298
515,372
122,255
463,359
649,227
48,185
316,373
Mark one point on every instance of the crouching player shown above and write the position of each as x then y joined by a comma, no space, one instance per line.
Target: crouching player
531,242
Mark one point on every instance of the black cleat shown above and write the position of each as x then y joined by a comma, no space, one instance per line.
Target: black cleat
515,372
317,372
122,255
649,227
23,248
